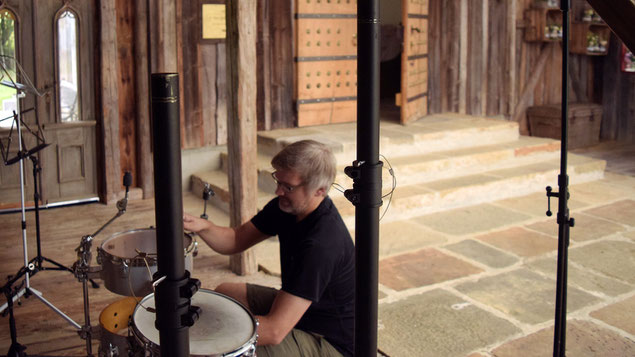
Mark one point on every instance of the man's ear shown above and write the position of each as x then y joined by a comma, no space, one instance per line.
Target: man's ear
320,192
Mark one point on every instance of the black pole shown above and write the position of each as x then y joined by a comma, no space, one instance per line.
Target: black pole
366,173
170,306
564,223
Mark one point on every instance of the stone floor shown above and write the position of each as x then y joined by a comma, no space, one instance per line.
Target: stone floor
481,280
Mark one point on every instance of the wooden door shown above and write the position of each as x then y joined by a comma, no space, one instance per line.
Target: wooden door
414,60
55,38
326,61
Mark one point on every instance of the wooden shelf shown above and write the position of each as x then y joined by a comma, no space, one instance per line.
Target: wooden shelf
542,24
580,31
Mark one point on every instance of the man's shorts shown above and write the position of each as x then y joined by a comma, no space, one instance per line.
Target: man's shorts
297,342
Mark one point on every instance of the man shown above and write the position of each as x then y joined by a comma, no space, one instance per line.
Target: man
313,312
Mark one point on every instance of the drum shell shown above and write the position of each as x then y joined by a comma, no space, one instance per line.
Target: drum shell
247,349
112,320
124,272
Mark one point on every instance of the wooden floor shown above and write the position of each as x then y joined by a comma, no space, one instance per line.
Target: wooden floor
42,330
45,333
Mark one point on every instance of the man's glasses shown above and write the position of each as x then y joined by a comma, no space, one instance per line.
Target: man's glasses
285,186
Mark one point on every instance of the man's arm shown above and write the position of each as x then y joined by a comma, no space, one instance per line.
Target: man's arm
286,311
224,240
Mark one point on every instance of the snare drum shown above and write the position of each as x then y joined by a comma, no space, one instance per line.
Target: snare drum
224,327
123,258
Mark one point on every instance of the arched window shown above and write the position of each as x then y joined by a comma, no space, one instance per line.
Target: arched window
8,103
68,66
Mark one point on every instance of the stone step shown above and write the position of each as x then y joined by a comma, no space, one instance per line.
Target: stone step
421,168
462,191
435,133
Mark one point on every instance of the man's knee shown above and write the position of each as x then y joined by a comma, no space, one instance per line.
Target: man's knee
236,291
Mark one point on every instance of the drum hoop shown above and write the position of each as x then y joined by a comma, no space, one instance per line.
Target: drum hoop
237,352
138,261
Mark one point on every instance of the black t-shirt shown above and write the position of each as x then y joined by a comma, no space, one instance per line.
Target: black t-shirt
317,259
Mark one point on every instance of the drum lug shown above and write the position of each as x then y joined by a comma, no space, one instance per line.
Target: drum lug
100,256
195,252
126,269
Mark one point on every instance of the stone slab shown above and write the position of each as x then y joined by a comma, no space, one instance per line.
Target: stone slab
583,338
587,227
615,259
438,323
619,315
582,278
534,204
588,192
470,220
482,253
399,237
421,268
621,212
523,295
520,241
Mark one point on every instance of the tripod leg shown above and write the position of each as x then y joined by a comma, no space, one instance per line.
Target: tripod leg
16,349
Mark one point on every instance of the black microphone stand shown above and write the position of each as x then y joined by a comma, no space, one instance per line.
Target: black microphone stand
563,219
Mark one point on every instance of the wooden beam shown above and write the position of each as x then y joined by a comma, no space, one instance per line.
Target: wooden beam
619,15
242,121
520,108
163,36
109,100
510,58
463,54
144,132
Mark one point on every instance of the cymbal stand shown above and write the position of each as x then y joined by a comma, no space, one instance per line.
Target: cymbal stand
207,194
84,272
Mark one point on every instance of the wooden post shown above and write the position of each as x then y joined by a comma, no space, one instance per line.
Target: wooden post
109,100
463,53
242,123
144,132
163,35
510,58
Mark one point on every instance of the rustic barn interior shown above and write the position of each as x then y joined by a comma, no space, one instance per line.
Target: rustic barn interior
89,63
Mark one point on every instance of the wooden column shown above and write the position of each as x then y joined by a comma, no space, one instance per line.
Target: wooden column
163,34
109,100
463,54
510,58
242,121
144,132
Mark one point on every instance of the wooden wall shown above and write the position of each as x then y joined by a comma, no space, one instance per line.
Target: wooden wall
474,70
203,74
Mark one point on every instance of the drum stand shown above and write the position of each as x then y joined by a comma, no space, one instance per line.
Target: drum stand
84,272
30,267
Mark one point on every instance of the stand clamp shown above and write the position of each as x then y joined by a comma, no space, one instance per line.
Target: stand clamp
550,193
176,295
363,175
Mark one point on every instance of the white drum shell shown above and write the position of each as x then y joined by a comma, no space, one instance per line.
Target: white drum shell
224,328
122,267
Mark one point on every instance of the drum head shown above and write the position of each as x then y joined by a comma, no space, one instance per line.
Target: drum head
223,326
125,244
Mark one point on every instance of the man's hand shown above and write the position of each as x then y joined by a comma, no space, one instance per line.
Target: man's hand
194,224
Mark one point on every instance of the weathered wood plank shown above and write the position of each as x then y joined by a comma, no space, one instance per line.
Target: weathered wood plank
145,166
110,109
527,93
241,85
126,87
